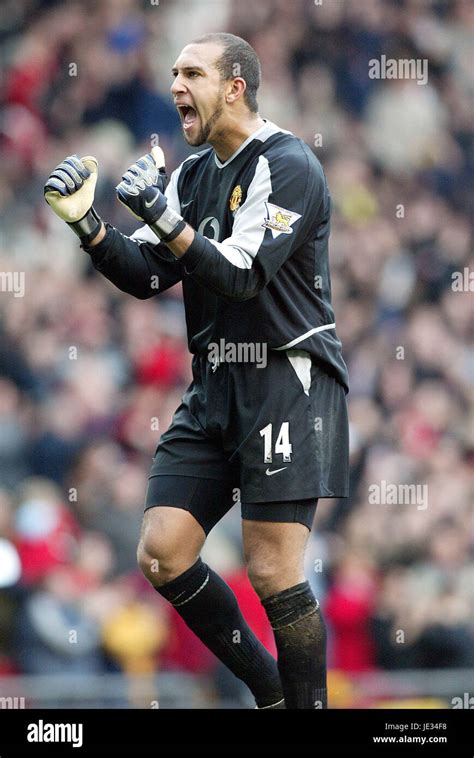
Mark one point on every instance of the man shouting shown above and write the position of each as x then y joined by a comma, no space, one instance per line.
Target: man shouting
244,225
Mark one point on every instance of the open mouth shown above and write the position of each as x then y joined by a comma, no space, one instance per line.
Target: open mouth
188,115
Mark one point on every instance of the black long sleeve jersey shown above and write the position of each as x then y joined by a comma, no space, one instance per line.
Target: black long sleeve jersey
258,270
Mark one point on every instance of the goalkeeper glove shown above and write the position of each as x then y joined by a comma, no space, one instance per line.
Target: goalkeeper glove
69,191
142,192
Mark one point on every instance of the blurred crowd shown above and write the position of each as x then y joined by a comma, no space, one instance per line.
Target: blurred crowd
90,377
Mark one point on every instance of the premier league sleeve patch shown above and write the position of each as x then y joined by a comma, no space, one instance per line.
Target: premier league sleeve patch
279,220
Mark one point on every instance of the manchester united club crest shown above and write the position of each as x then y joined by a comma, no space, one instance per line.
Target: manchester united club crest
236,198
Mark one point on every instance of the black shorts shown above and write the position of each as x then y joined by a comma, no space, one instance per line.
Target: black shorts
274,438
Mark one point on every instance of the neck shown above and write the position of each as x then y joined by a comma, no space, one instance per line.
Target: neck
226,141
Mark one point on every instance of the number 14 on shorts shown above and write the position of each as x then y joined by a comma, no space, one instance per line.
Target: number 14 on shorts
282,444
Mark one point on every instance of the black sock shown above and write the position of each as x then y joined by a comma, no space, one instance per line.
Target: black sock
210,609
300,637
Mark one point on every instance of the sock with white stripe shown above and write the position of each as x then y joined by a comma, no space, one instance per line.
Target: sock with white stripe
210,609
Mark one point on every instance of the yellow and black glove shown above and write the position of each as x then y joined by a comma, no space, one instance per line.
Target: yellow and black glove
69,191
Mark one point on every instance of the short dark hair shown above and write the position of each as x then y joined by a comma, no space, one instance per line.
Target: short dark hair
237,56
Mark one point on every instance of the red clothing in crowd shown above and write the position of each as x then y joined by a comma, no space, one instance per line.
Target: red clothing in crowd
348,608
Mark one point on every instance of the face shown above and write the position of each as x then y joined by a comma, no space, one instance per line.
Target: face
198,92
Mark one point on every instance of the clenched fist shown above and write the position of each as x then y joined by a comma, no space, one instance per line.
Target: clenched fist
142,192
69,191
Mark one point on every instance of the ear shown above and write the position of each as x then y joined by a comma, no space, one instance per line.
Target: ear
235,89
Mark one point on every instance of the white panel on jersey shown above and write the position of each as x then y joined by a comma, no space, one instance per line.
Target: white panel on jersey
235,255
301,362
145,234
262,134
248,232
269,129
305,335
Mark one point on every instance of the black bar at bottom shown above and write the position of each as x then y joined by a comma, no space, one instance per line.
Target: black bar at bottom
162,732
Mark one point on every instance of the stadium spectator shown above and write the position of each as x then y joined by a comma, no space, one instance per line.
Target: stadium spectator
89,377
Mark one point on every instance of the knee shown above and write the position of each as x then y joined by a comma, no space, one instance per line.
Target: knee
153,560
170,543
161,560
266,577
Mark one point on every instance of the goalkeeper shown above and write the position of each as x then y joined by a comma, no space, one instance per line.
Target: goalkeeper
244,225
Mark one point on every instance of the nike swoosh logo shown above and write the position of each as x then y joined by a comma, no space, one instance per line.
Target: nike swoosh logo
277,471
185,205
152,202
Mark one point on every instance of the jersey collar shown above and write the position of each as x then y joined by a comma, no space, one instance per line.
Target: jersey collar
258,134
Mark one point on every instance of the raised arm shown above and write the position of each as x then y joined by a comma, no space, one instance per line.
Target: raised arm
140,267
286,201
